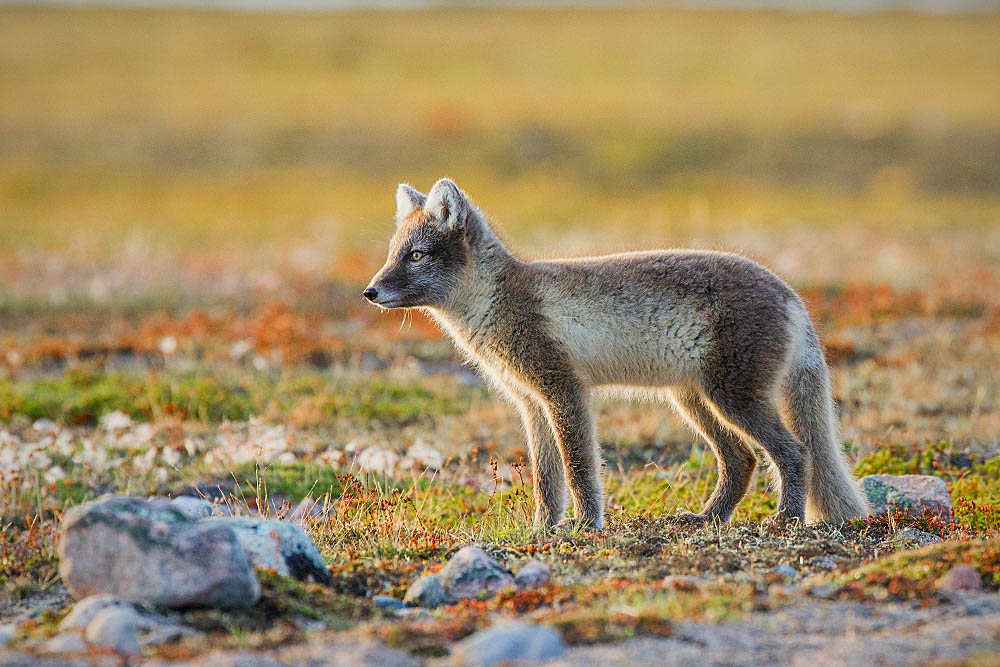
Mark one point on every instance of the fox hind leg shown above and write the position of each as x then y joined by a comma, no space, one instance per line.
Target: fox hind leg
757,418
736,461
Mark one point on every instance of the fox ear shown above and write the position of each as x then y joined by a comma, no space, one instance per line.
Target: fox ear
408,200
447,204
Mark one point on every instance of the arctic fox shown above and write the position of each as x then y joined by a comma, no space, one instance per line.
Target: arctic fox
716,334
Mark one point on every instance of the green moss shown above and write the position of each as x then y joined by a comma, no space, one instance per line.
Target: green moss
914,574
82,395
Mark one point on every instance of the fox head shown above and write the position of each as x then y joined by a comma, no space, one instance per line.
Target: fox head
428,252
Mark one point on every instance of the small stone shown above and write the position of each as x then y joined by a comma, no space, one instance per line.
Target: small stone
825,562
426,591
193,507
307,509
533,574
149,552
85,610
910,538
786,571
509,642
912,492
824,592
279,546
163,633
470,573
66,642
961,578
388,602
115,627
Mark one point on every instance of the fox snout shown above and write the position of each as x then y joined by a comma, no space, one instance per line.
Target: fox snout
370,293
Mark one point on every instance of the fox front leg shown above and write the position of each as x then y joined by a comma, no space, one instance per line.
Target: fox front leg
571,418
549,484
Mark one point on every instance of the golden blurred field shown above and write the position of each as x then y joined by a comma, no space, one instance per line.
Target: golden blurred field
578,129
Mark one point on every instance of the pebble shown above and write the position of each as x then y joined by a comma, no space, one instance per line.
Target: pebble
786,571
66,642
912,538
388,602
961,578
193,507
913,492
471,573
533,574
508,642
115,627
426,591
825,563
85,610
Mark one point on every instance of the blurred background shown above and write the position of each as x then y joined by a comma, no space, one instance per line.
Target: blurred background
187,189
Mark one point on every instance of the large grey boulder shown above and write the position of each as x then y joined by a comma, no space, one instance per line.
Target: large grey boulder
523,642
471,574
149,552
913,492
279,546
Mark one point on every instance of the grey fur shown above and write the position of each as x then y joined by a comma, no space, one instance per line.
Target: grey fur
719,335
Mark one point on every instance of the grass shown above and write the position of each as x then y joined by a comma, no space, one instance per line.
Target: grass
81,395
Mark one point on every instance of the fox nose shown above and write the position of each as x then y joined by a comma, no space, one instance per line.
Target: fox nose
370,293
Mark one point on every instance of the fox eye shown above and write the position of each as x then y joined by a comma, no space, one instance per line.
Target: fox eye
417,255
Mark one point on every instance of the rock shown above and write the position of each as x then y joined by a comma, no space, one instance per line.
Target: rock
426,591
910,538
824,592
825,562
388,602
279,546
961,578
308,509
533,574
470,573
66,642
117,628
193,507
149,552
162,633
508,642
85,610
913,492
7,631
785,571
